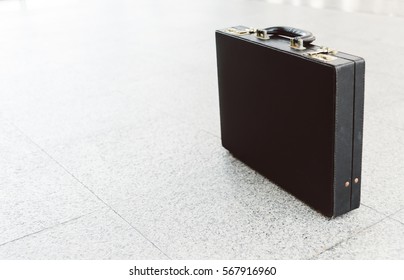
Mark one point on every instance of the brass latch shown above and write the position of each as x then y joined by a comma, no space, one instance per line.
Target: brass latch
236,31
259,33
323,53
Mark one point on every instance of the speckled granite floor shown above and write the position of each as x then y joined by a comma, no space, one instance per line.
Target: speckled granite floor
110,144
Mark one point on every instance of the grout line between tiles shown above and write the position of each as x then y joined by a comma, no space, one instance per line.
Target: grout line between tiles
88,188
315,256
394,219
211,134
134,228
391,216
383,214
48,228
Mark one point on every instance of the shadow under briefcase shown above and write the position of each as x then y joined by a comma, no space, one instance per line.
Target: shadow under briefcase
293,111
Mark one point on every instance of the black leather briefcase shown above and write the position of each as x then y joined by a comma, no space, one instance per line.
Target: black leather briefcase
293,111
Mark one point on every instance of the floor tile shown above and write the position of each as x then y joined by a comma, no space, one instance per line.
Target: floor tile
192,198
63,119
139,158
99,235
399,216
382,92
35,193
209,225
392,115
382,165
189,99
381,241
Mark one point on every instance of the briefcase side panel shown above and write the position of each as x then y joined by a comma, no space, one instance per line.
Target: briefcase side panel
222,87
358,132
344,110
358,117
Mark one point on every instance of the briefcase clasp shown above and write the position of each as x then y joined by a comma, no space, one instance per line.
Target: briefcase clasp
259,33
237,31
323,53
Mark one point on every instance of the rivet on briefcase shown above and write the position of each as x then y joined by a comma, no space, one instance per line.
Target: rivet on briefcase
293,111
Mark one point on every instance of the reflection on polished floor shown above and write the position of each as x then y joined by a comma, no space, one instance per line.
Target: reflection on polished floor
110,138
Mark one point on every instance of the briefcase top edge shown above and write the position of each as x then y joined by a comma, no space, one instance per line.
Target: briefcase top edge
282,45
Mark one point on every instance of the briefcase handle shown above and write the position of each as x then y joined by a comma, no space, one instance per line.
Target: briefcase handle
299,38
